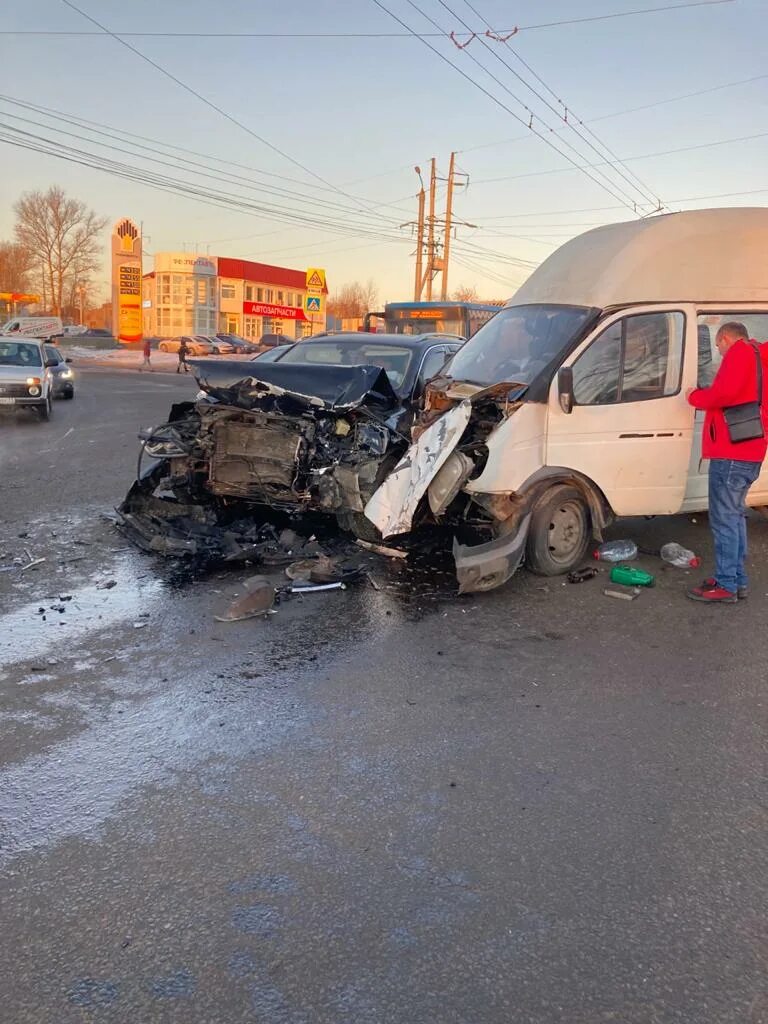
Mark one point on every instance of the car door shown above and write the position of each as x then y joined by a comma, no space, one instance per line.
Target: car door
709,359
431,363
630,429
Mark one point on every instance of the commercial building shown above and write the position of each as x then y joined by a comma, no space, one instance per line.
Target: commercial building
194,294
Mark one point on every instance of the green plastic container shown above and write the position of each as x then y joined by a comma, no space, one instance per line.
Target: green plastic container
631,577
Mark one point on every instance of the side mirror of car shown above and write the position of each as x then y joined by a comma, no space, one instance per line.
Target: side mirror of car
67,360
565,388
51,361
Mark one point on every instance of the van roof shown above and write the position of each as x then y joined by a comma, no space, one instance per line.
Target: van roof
698,255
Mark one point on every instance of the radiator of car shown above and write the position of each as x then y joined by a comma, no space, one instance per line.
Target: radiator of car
255,460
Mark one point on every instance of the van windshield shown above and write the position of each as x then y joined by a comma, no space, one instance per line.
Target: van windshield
517,344
20,353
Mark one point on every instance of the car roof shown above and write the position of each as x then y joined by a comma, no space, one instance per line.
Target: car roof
414,341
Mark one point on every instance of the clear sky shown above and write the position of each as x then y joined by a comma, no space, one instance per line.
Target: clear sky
360,112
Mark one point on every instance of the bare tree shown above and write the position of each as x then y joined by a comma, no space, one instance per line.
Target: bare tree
61,236
15,265
465,293
353,299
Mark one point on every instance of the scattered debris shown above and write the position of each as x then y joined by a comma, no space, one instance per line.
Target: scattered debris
382,549
309,588
581,575
628,576
623,595
31,564
258,600
106,584
140,625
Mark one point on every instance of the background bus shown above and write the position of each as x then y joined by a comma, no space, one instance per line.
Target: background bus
464,318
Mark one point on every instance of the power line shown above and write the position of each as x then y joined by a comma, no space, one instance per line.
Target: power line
89,125
501,104
623,193
643,156
207,172
205,100
637,184
666,8
627,110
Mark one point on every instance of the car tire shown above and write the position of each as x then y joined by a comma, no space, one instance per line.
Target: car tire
163,347
69,394
559,532
44,411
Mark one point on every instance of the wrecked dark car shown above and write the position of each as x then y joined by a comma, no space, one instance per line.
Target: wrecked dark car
316,431
381,433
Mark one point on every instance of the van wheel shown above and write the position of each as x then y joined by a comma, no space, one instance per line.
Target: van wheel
559,532
44,411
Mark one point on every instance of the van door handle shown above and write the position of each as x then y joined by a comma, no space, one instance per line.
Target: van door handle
636,435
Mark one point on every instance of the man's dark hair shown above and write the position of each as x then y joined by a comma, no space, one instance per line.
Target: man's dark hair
734,329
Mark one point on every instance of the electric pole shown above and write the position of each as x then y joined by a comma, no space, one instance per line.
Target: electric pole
447,236
431,229
438,232
419,240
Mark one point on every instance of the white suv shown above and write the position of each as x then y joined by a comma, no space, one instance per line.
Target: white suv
25,375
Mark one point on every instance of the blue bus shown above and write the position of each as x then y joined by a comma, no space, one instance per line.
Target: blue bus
464,318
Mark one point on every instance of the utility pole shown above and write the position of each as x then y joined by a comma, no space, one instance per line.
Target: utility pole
81,294
431,229
447,237
419,240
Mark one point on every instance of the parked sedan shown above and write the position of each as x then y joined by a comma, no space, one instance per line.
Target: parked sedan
224,348
239,344
273,340
195,346
63,375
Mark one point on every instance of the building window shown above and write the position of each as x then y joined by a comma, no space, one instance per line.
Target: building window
259,294
280,298
202,292
248,293
227,291
233,324
268,295
251,327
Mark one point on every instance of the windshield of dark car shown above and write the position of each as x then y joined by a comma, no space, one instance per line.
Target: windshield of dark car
392,358
517,344
20,353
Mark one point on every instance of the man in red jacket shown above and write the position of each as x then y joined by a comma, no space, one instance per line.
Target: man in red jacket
733,467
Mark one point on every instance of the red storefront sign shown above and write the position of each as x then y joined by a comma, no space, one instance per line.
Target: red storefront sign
275,312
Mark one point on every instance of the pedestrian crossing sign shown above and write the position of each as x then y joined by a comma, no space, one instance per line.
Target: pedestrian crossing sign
315,279
313,304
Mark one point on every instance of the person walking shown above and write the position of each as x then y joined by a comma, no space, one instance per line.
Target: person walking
734,465
183,349
147,351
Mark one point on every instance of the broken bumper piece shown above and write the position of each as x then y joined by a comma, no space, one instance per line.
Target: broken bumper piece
487,566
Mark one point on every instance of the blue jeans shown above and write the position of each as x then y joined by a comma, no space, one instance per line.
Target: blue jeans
729,481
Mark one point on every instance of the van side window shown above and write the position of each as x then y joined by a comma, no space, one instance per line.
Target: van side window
634,359
707,327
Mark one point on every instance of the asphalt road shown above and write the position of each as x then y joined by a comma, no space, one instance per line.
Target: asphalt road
393,806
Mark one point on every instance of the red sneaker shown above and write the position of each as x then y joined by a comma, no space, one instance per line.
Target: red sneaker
712,595
742,593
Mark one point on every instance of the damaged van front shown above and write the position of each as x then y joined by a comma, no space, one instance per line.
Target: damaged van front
477,452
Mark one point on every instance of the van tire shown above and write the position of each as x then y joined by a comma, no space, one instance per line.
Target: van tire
559,532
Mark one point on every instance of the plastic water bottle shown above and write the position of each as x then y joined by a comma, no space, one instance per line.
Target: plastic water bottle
617,551
677,555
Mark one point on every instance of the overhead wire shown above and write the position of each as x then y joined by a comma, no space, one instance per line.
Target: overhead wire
204,99
620,167
504,106
619,188
663,9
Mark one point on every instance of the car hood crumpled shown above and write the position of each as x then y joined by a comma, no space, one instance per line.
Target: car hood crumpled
322,386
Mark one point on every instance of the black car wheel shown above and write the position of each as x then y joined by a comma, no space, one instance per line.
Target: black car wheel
44,411
69,393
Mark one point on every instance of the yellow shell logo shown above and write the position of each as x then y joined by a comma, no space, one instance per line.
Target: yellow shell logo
127,232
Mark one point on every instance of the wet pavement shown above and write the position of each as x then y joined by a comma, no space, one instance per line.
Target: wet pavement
392,805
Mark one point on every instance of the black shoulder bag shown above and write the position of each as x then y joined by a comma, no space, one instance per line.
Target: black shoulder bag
744,421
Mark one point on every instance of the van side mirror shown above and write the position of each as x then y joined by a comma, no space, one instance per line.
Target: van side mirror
565,388
51,361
